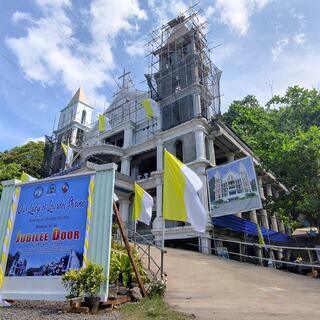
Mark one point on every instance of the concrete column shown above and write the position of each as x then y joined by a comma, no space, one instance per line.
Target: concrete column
212,155
203,193
274,225
253,216
230,156
157,223
73,137
159,156
205,245
261,188
264,218
200,145
127,140
269,190
125,165
281,226
124,210
196,104
239,214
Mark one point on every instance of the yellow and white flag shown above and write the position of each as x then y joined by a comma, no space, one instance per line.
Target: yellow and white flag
142,206
104,123
26,177
151,108
260,236
68,152
180,199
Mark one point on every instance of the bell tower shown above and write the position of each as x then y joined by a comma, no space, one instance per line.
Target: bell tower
74,122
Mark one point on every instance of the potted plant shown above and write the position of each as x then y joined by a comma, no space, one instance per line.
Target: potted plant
91,278
72,282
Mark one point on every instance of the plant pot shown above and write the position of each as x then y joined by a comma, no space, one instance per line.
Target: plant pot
75,302
94,304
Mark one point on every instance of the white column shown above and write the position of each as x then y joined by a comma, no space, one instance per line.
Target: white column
124,210
200,144
212,154
253,216
159,156
239,214
205,245
269,190
125,165
157,222
274,225
196,104
264,218
281,226
127,140
203,193
261,188
230,156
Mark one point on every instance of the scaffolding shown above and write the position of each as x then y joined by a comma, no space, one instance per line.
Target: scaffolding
179,60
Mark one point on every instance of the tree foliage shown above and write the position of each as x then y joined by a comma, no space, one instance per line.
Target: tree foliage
28,158
285,134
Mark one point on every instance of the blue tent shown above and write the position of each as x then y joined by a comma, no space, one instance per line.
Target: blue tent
245,226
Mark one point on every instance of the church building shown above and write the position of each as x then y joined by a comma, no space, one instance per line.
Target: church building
185,83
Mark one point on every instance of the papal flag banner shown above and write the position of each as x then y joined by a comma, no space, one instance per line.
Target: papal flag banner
142,207
26,177
260,236
104,123
68,152
180,199
151,108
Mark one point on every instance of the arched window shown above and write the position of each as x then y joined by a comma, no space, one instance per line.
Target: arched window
179,150
83,117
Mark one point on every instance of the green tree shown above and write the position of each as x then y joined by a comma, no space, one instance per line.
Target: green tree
285,136
28,158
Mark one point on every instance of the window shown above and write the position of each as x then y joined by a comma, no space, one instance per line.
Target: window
83,117
179,150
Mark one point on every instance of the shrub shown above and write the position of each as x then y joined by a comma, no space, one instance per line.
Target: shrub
71,281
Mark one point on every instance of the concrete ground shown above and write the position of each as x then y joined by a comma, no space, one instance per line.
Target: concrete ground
212,288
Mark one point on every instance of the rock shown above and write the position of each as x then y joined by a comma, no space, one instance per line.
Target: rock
123,291
136,294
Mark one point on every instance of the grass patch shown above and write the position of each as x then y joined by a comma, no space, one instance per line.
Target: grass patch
151,308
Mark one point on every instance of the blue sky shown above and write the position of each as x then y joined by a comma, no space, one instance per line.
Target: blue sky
48,48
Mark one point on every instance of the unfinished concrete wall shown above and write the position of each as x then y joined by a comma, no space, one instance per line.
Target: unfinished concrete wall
188,145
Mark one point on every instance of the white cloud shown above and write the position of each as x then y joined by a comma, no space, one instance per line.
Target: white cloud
236,13
297,37
59,53
136,48
19,16
167,10
39,139
278,48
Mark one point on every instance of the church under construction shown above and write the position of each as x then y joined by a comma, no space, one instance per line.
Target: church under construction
185,83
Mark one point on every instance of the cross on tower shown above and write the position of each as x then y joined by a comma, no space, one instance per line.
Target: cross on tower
125,79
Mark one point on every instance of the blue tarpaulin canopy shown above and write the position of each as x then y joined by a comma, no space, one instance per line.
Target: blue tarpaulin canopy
245,226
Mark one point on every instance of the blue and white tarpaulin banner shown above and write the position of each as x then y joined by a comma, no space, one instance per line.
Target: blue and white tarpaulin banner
49,230
233,188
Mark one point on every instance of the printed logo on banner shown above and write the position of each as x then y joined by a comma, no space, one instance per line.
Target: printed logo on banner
233,188
49,231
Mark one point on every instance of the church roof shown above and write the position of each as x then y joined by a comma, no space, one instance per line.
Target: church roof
78,96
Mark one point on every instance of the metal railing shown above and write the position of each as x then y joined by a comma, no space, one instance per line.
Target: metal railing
147,250
269,249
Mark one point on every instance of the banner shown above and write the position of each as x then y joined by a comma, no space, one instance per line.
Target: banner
49,228
233,188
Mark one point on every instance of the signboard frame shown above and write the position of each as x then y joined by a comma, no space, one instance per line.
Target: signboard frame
50,287
256,207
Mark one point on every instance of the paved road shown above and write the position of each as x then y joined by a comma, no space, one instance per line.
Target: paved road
212,288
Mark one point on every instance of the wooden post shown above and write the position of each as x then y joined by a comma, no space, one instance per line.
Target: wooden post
127,245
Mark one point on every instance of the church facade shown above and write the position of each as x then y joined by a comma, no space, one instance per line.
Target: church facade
188,127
